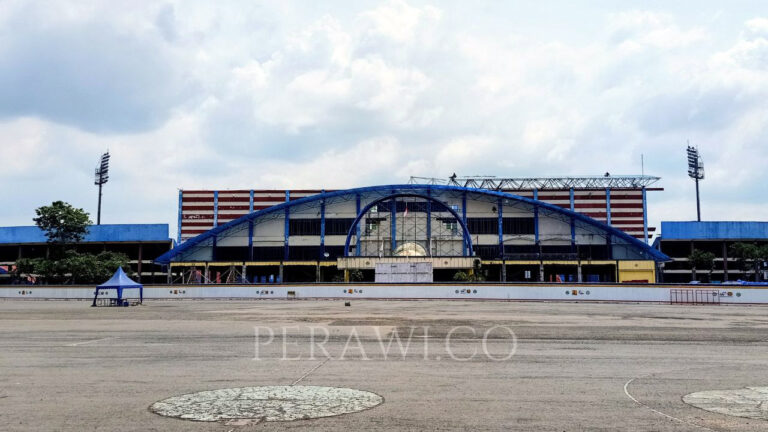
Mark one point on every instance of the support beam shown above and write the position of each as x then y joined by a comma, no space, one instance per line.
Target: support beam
322,233
608,206
393,223
250,202
573,222
250,240
178,238
429,226
725,262
215,209
357,227
645,217
536,217
465,252
139,266
286,229
500,213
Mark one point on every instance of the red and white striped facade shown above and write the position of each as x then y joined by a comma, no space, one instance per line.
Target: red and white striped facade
202,210
626,207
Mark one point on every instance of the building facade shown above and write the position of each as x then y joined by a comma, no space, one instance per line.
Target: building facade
140,242
678,240
319,236
619,201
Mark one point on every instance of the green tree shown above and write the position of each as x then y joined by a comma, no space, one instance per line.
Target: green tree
745,253
62,223
701,260
64,226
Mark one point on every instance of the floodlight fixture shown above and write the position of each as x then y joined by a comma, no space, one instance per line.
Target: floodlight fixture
696,172
101,176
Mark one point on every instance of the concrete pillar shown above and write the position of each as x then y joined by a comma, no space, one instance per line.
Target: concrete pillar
503,271
139,266
207,274
317,272
280,273
725,262
578,273
541,272
346,275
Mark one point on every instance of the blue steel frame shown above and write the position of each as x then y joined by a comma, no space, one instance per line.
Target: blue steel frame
322,228
645,217
287,228
537,206
393,210
178,239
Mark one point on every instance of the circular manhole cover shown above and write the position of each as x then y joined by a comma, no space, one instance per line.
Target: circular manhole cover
749,402
266,403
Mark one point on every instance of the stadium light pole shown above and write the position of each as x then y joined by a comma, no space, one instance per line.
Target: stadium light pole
100,178
696,172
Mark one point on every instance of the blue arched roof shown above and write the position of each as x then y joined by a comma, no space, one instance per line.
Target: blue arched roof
191,243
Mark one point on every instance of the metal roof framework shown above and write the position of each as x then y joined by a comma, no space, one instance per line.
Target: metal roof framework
542,183
313,205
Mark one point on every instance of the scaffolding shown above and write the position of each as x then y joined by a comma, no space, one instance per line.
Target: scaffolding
542,183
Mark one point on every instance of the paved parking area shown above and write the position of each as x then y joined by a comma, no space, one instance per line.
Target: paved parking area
437,365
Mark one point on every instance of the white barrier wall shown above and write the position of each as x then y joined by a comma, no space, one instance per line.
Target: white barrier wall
579,292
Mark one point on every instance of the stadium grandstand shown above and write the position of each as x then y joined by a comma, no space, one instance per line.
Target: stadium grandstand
565,229
619,201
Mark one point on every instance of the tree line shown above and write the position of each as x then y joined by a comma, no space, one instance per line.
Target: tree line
65,227
747,255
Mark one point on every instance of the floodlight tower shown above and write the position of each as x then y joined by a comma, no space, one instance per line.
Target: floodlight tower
696,172
100,178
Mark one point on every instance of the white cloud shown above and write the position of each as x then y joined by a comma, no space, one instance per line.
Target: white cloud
275,94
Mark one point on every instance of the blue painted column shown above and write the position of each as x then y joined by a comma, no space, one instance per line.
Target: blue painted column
250,228
645,217
501,227
215,209
393,222
181,192
536,217
287,228
322,228
357,227
429,223
250,240
573,223
464,217
608,206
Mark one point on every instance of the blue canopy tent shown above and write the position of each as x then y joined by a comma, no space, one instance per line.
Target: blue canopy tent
119,281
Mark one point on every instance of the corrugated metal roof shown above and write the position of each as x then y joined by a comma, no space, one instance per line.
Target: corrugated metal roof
97,233
714,230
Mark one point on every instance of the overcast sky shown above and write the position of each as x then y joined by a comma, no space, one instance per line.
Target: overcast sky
340,94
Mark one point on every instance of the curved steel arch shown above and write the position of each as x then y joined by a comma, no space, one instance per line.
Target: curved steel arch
364,211
189,244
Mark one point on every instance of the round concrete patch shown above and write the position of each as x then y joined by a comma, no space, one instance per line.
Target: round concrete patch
749,402
267,403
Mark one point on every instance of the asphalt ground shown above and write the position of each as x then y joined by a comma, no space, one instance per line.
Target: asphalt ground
454,365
